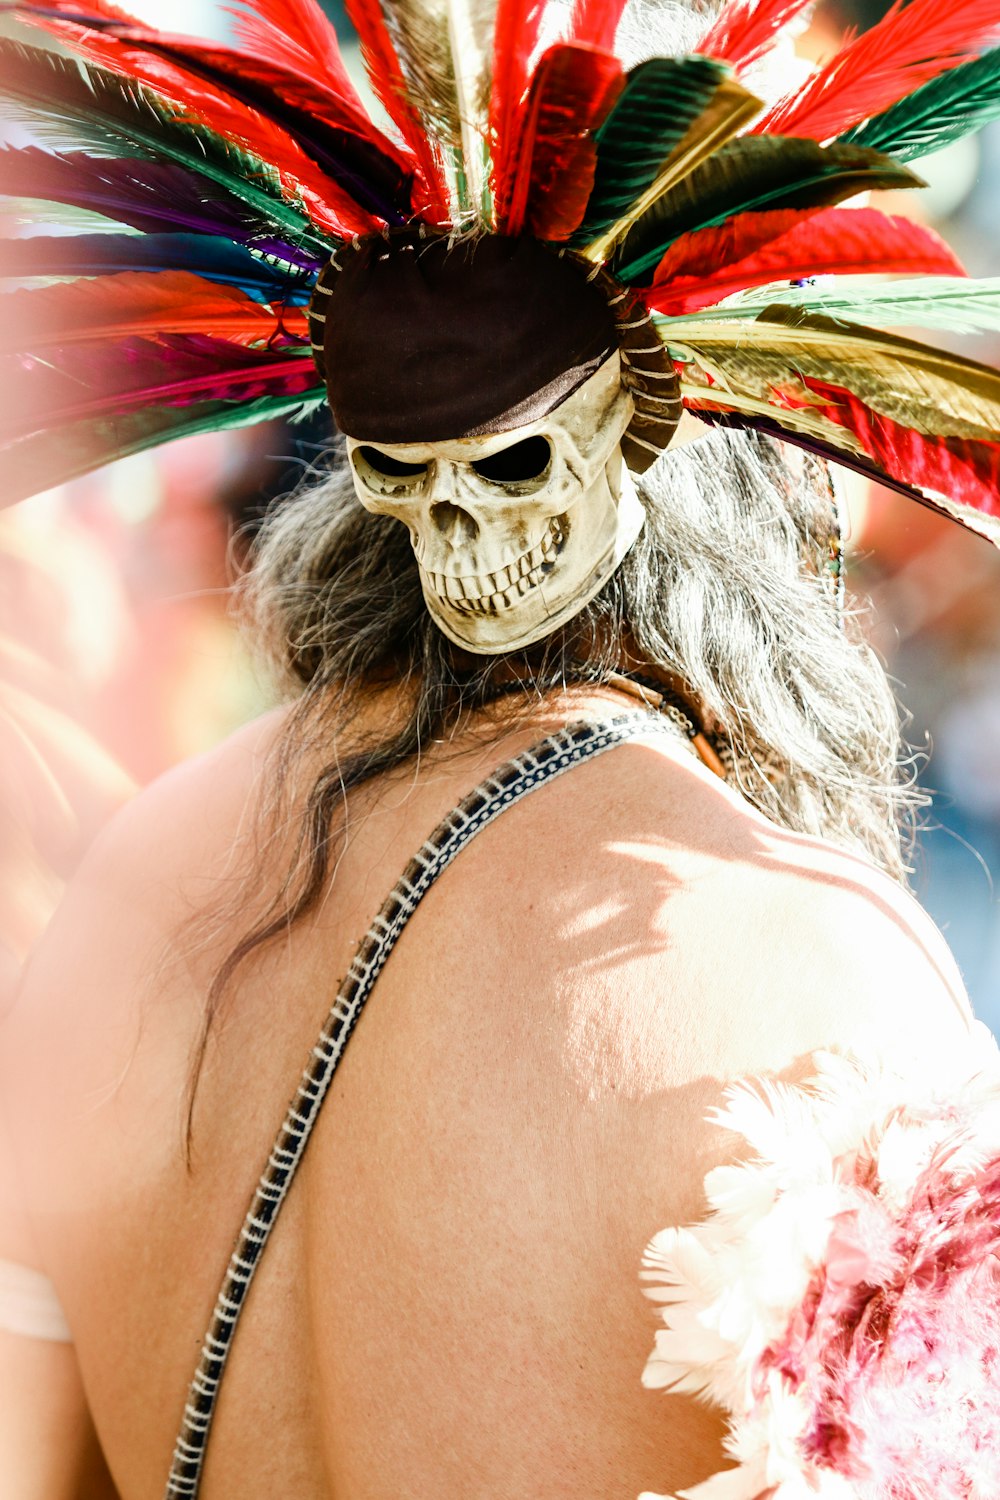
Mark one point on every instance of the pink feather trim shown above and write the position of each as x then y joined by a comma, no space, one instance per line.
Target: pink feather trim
842,1299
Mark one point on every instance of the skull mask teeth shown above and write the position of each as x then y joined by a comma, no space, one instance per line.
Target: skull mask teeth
498,591
514,533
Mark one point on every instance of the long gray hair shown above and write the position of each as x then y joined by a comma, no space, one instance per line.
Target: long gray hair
725,590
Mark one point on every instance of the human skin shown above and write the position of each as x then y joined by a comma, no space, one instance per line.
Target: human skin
451,1303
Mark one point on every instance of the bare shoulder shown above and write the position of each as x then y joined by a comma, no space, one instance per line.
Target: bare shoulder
189,818
163,857
688,936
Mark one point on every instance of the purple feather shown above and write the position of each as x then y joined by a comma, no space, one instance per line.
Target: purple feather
147,195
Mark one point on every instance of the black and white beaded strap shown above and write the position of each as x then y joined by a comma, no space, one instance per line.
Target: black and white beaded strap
514,780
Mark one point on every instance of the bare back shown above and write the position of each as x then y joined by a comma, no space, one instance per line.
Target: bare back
450,1305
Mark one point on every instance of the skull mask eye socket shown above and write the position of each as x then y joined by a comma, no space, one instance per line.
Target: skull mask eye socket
384,474
525,464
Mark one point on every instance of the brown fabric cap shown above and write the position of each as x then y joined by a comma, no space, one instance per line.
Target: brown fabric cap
424,341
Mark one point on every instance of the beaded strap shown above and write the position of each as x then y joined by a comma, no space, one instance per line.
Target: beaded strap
514,780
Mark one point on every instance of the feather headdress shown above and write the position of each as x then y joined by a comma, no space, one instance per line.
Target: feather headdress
217,185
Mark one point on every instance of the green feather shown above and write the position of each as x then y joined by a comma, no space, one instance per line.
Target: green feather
40,462
951,106
71,103
660,101
754,173
946,302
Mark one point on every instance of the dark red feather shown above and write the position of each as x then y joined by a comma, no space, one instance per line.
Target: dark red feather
389,83
571,92
87,381
907,48
755,249
747,28
515,40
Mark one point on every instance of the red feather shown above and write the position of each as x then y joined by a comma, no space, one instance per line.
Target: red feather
295,32
964,469
755,249
389,84
145,305
907,48
746,29
571,92
594,23
326,202
515,38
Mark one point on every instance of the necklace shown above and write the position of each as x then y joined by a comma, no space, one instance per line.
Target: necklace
657,696
647,690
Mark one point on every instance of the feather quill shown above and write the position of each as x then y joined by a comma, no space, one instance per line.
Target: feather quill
75,104
44,257
660,101
961,101
35,462
755,249
142,305
146,195
470,33
953,305
328,146
752,175
909,46
747,29
571,92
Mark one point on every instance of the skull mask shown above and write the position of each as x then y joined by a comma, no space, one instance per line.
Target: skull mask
514,532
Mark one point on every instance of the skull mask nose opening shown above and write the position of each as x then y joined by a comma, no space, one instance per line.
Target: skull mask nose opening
453,522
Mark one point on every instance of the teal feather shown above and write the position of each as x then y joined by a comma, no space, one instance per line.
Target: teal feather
749,175
960,101
37,462
72,104
661,100
44,256
946,302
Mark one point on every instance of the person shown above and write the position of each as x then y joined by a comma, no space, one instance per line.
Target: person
615,684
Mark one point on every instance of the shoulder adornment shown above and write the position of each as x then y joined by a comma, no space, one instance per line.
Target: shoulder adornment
841,1299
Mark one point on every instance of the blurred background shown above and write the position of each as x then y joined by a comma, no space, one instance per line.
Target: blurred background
118,657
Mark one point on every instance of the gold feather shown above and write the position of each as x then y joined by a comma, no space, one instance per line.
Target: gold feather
935,392
808,423
443,48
